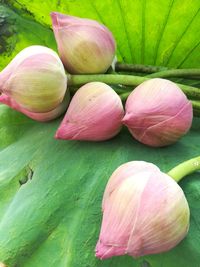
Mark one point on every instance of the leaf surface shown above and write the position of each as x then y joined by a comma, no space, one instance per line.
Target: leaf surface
50,190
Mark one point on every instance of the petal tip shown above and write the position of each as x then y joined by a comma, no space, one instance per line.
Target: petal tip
54,18
68,131
59,134
126,119
107,251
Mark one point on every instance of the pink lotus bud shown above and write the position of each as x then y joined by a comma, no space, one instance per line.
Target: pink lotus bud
158,113
84,45
35,79
94,114
46,116
144,212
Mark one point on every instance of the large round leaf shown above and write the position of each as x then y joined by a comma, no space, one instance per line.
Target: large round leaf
51,191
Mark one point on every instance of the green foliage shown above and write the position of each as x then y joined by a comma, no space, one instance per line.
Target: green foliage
50,190
160,32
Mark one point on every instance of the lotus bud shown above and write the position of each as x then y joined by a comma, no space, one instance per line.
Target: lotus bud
84,45
144,212
158,113
35,79
42,117
94,114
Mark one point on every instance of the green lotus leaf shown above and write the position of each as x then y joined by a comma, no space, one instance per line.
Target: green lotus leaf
50,190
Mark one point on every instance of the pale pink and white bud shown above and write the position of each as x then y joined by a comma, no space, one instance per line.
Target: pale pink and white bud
42,117
95,113
35,79
158,113
144,212
84,45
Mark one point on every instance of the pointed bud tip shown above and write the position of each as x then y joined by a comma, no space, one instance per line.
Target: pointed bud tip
65,132
107,251
126,119
60,20
54,18
59,134
56,136
102,252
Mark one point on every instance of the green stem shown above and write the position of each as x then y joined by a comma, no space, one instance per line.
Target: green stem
196,108
75,80
183,73
184,169
124,96
106,78
196,104
138,68
157,71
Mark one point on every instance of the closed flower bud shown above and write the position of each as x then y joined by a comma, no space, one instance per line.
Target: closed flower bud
35,79
45,116
84,45
158,113
144,212
94,114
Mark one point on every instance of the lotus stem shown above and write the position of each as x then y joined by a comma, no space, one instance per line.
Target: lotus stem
129,80
138,68
196,104
185,168
183,73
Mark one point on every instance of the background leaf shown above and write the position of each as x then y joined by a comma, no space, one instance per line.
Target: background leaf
161,32
51,191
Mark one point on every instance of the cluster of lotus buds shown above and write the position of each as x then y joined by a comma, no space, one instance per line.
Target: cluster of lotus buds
144,210
157,112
